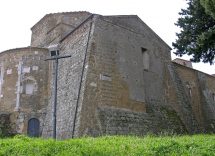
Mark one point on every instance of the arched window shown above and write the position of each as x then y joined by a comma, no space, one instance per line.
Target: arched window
33,127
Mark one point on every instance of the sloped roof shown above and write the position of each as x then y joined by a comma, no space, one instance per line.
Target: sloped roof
139,20
123,18
59,13
21,49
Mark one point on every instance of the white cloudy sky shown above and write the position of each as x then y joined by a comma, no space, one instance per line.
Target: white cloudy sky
18,16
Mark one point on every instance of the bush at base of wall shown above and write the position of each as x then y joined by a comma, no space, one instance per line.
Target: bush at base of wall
5,130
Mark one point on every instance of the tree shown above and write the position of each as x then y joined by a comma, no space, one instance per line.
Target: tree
197,36
209,6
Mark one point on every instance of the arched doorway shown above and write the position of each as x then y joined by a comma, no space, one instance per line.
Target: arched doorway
33,127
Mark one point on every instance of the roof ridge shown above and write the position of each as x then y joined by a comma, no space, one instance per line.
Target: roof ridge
68,12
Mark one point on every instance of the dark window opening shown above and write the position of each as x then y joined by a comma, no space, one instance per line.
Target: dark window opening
143,49
213,96
190,92
145,59
54,53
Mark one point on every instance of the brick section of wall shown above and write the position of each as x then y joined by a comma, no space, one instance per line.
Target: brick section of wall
123,122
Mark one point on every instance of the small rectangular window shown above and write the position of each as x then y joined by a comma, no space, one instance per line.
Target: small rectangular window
35,68
189,89
213,96
145,58
54,53
26,69
29,88
9,71
143,49
190,92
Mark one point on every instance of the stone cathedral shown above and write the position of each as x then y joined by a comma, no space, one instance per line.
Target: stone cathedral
119,80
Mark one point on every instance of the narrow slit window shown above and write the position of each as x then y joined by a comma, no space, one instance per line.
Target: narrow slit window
145,58
213,96
189,89
190,92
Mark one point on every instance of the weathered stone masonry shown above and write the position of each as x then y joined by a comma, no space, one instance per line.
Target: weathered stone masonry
119,80
24,86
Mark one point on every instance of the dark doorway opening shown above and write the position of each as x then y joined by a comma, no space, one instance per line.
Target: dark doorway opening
33,127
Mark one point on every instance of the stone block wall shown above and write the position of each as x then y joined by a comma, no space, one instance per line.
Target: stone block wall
116,77
178,98
70,81
162,120
52,27
195,98
24,86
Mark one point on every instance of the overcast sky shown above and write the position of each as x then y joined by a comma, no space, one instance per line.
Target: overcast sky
18,16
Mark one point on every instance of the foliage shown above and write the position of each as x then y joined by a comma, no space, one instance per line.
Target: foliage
209,6
110,146
4,130
197,36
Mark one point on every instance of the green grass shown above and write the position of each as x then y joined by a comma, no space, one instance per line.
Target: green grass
110,146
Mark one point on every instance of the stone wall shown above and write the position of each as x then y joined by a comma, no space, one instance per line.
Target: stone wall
24,86
161,120
53,27
70,81
199,89
116,76
178,98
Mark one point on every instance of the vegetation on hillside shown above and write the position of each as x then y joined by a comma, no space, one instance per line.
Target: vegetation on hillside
110,146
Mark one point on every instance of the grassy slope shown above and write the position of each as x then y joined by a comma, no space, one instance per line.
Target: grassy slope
114,145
